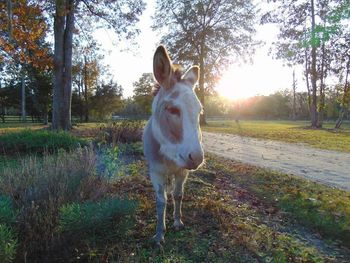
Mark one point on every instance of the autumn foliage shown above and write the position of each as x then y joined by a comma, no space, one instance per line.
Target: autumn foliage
22,33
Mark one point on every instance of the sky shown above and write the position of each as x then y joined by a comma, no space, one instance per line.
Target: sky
264,76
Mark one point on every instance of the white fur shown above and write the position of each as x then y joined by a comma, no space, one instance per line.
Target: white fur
190,108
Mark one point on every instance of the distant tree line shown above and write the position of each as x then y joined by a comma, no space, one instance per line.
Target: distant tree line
275,106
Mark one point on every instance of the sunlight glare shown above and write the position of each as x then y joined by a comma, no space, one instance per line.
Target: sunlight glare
264,77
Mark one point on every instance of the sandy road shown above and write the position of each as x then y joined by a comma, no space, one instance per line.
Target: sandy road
328,167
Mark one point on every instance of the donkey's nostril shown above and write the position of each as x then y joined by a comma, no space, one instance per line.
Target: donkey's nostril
190,157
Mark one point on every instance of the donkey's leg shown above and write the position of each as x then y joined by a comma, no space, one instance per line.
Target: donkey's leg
180,179
159,185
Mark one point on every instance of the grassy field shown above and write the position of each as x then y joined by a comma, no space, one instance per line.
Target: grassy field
288,131
12,127
97,205
233,213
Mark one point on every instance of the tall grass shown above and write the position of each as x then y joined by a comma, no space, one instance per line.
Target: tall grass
39,187
8,237
45,190
112,133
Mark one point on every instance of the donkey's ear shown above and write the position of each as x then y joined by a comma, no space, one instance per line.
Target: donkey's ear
192,75
162,67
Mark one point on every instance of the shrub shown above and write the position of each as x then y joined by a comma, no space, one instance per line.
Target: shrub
8,239
126,131
8,244
40,141
90,218
114,162
40,186
7,213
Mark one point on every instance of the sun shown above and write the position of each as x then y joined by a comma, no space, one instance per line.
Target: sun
235,85
265,76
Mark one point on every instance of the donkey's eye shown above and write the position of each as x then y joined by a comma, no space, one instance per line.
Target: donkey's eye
174,111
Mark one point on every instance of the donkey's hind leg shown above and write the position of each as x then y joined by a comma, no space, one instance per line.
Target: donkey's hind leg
180,179
159,185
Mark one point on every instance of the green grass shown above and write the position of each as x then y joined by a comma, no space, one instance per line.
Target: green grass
37,141
7,127
229,218
321,208
288,131
232,212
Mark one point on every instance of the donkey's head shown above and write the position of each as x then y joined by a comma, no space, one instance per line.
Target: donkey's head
176,111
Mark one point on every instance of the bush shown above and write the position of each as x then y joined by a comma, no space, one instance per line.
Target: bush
7,213
126,131
8,244
122,132
8,239
40,186
114,162
39,141
90,218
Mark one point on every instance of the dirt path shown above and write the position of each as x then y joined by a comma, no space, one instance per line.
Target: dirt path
328,167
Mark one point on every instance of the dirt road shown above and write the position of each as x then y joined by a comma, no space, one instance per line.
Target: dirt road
328,167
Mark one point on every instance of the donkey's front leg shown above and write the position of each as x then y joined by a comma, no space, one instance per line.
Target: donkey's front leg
159,185
180,179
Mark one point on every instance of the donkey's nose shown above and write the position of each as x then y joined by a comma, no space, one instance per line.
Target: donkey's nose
194,160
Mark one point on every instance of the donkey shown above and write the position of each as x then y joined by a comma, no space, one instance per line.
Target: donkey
172,136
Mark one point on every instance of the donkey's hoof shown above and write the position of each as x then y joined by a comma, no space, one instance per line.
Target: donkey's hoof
178,225
159,239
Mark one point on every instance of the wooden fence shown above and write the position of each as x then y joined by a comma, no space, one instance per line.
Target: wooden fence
18,119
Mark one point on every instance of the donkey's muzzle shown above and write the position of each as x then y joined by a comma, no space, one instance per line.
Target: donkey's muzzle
194,160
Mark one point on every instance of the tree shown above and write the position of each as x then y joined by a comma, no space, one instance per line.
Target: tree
211,33
306,33
107,100
143,93
341,58
23,31
119,15
86,71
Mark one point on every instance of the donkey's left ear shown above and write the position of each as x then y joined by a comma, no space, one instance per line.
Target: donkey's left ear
192,75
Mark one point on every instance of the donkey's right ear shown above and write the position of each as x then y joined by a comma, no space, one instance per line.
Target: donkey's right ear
162,67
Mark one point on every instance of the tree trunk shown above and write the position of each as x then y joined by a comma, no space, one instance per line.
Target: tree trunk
342,113
45,117
62,92
313,70
86,107
59,21
23,97
345,99
294,99
202,119
322,88
307,81
68,49
10,15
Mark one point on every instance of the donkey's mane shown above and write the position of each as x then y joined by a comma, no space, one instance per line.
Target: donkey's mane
178,71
